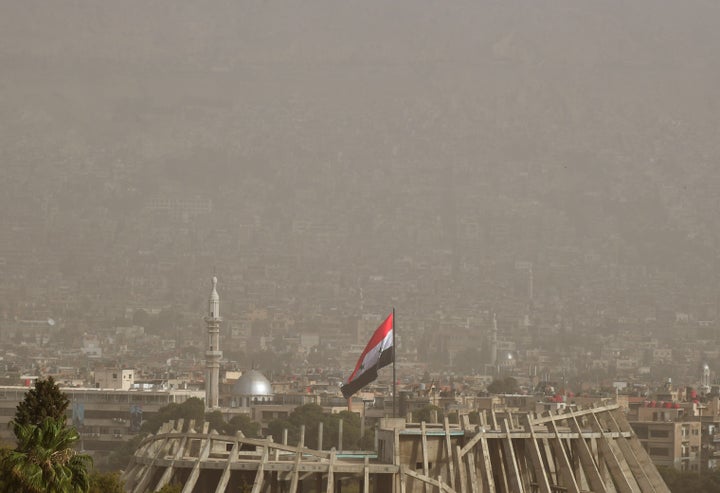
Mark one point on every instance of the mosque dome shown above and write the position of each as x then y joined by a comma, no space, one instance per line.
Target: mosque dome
252,383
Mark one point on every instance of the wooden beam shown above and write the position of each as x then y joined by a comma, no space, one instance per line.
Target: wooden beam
167,473
448,453
260,474
617,472
515,480
552,470
472,472
296,466
536,459
641,454
564,468
399,482
202,456
636,468
426,469
429,481
457,459
586,458
331,474
486,464
366,475
540,420
222,484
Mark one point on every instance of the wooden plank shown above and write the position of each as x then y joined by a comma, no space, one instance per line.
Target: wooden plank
564,468
589,466
429,481
636,468
225,478
617,473
331,474
536,459
202,456
472,472
144,472
540,420
167,473
460,470
426,469
260,474
550,461
486,464
295,472
640,453
398,483
157,446
515,481
473,441
296,466
449,454
496,451
465,422
366,475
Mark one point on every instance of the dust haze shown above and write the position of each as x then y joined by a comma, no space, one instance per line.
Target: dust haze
554,162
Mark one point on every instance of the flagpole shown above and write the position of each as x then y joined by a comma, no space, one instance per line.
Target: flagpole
395,346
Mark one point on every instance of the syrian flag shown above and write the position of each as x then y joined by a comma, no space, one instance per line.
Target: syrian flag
377,354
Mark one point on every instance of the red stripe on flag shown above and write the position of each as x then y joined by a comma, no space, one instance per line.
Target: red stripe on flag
376,339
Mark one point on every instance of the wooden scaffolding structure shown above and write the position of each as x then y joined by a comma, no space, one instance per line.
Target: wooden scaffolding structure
585,450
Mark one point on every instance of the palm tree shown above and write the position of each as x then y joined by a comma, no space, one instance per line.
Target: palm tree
44,460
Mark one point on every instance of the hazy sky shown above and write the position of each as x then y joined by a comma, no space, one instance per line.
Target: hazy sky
495,131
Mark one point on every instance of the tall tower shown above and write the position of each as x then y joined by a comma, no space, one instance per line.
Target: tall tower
494,342
531,285
213,353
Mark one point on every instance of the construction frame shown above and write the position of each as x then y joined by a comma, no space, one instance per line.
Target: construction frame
574,450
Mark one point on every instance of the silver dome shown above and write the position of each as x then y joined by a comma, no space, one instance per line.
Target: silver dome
252,383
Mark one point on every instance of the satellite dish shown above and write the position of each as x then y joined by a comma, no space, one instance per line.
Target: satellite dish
51,322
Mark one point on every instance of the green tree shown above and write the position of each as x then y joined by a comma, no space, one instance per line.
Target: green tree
44,460
239,422
311,415
105,482
690,482
120,457
170,488
45,400
242,422
5,472
216,421
191,409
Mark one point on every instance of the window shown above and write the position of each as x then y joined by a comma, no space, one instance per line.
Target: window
659,433
659,451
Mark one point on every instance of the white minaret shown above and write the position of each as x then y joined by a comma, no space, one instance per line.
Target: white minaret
705,380
213,353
